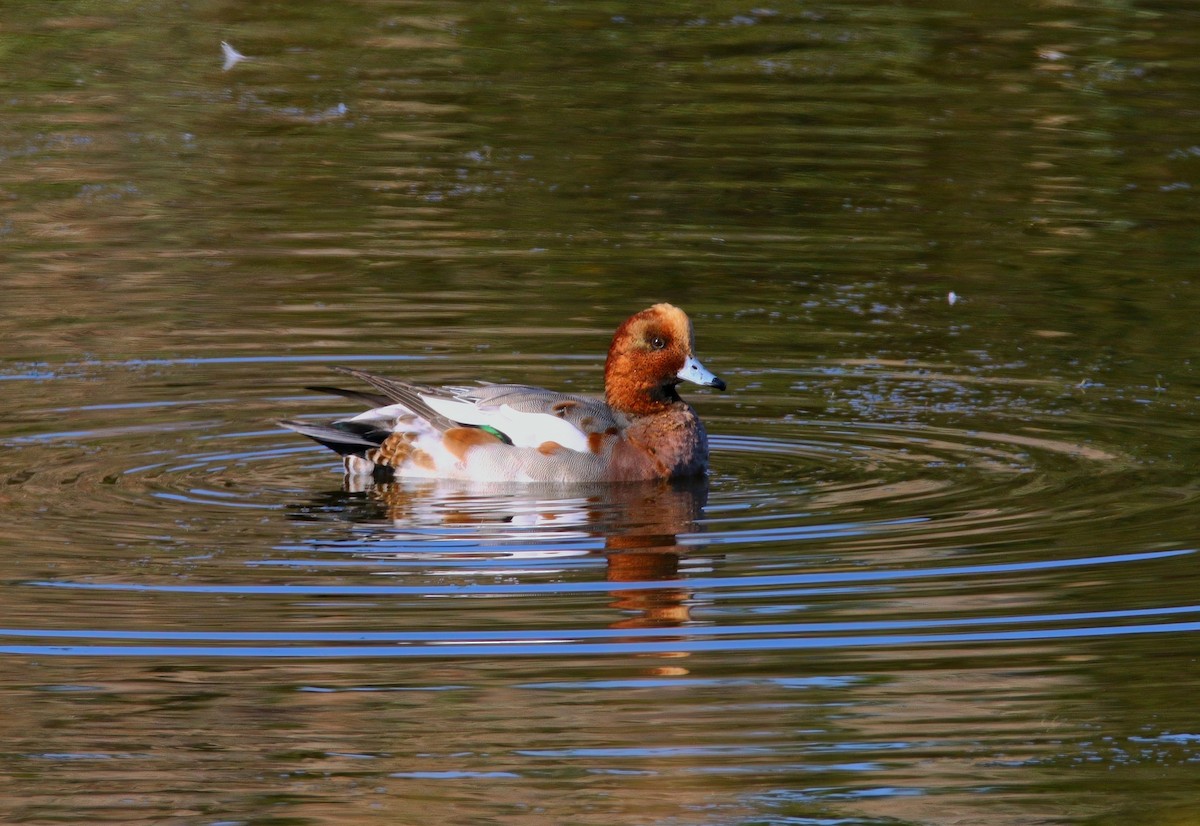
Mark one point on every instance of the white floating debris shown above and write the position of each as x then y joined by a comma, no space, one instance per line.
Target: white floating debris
232,56
952,297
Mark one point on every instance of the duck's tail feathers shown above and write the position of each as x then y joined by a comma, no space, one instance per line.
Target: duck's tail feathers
346,438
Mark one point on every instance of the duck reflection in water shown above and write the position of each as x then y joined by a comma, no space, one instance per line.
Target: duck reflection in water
641,529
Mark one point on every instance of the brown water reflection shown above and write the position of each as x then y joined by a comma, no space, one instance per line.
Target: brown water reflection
636,528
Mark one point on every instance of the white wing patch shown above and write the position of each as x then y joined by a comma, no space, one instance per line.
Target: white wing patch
524,429
383,414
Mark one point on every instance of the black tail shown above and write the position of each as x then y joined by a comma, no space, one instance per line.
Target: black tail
346,438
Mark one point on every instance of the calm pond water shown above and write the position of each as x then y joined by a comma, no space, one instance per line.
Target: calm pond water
944,570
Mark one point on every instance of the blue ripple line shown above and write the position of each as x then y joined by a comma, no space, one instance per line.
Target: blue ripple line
567,635
585,587
575,649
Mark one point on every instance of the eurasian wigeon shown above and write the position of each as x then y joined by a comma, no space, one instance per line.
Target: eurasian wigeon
515,433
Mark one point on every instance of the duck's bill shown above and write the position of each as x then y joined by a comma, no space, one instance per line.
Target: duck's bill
697,373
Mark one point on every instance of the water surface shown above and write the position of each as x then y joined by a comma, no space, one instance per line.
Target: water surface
942,571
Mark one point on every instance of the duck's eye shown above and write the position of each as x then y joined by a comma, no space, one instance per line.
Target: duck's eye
657,342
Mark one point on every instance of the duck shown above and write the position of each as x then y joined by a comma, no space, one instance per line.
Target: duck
641,430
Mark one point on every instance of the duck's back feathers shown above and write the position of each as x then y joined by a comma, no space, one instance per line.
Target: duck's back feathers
526,416
405,393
